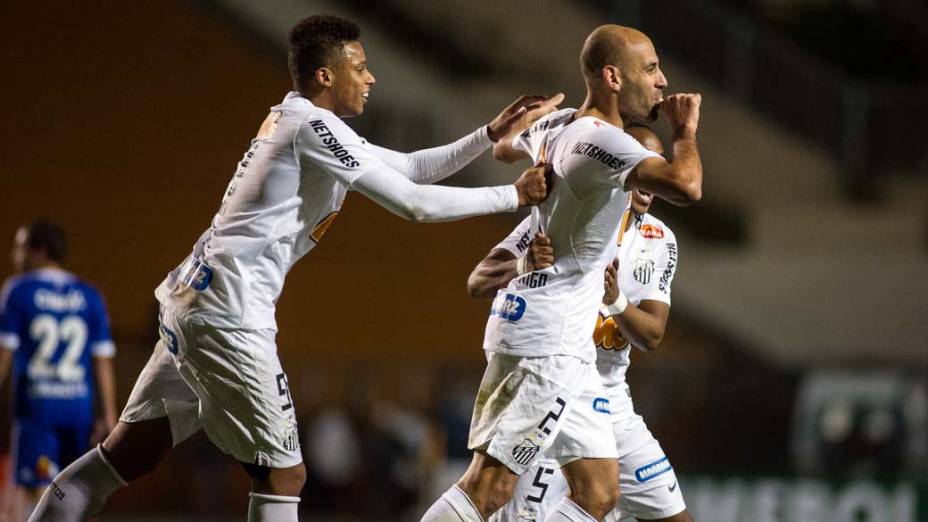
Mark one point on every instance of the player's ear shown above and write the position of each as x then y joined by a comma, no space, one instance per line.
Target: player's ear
324,76
612,77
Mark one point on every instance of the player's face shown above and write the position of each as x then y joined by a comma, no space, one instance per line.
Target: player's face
643,83
352,81
18,254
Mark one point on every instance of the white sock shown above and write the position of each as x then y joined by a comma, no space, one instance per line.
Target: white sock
568,511
266,508
79,491
453,506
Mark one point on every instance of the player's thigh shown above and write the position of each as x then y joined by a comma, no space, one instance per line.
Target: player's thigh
649,486
245,404
36,454
596,476
523,405
161,393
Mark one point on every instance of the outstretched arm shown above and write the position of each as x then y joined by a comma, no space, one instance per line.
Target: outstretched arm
437,163
502,266
427,203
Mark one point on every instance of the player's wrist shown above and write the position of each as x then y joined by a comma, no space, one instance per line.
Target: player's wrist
491,134
522,265
619,306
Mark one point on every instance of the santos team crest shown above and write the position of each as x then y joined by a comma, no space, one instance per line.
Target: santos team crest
643,270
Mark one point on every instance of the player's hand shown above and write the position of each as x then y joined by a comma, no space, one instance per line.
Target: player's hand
682,112
540,252
534,184
611,283
520,114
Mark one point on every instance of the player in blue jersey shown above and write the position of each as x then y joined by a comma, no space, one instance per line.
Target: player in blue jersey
55,334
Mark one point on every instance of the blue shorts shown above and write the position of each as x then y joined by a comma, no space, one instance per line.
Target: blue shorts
41,451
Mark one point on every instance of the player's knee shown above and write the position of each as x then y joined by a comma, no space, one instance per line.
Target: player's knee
277,481
489,491
597,500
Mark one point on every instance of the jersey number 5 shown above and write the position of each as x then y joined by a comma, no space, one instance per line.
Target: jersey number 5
49,333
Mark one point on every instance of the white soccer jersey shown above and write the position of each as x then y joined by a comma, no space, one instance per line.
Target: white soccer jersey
286,191
552,311
647,261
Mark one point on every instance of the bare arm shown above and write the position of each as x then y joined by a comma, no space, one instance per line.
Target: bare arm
6,359
106,386
505,152
643,325
500,267
679,182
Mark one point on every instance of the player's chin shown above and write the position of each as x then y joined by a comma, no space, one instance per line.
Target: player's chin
653,114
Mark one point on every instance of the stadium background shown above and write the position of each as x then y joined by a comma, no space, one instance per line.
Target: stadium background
792,382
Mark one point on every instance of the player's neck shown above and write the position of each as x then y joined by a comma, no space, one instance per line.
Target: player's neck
602,106
44,265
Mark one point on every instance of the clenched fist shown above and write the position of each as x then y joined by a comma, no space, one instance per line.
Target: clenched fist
682,112
534,184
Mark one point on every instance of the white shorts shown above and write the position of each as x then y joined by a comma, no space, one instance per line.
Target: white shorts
228,382
647,482
529,405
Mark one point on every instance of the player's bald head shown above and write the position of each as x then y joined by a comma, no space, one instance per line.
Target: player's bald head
610,45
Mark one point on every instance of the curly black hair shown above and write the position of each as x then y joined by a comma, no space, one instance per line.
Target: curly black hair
42,234
316,42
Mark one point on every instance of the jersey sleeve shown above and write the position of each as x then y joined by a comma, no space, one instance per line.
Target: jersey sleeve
99,339
516,243
531,140
437,163
664,270
326,143
10,319
601,158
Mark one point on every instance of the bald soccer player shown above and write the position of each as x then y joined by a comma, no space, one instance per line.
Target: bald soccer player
634,312
541,393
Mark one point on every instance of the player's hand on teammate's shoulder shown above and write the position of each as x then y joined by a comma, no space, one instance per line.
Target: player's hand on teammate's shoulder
611,282
682,112
540,252
534,184
521,113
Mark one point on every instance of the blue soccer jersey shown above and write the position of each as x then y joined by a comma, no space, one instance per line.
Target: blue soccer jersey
56,324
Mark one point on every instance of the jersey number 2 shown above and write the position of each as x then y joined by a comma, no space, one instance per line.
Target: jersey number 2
49,333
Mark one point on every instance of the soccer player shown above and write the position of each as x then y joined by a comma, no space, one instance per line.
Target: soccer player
216,366
635,309
55,333
541,392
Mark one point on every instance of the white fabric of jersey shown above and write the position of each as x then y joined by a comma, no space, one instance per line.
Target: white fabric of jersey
287,188
552,311
647,263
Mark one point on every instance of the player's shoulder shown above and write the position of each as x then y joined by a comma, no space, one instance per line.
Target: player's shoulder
11,286
551,120
658,224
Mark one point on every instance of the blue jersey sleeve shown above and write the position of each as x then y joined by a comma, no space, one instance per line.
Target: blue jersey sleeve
10,316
